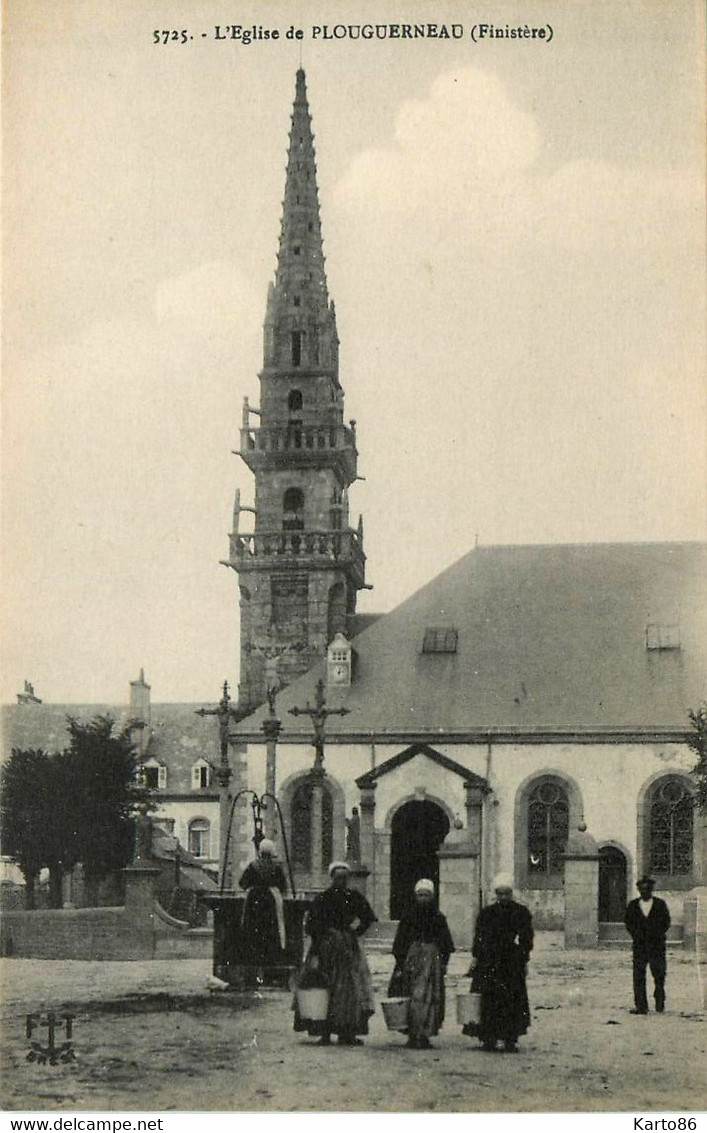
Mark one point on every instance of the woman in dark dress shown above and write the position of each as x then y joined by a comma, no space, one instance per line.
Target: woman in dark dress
422,947
338,918
503,941
263,913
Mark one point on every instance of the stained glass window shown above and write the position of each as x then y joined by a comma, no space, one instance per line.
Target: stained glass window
548,827
671,828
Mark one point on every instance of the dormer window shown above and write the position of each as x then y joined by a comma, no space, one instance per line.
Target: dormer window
440,640
661,636
339,661
201,775
154,775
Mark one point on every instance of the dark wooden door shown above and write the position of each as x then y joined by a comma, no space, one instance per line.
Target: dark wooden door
419,828
612,884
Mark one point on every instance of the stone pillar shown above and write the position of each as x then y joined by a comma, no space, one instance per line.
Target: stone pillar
368,838
271,728
473,803
317,870
581,890
225,798
140,889
459,891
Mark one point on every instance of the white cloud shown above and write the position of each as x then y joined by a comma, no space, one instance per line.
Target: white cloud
468,153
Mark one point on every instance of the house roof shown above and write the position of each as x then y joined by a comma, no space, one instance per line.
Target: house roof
178,737
549,639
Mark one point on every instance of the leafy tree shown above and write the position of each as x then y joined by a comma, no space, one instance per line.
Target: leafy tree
25,806
104,794
73,806
698,742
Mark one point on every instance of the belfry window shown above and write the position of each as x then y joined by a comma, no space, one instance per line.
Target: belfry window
293,510
294,401
296,347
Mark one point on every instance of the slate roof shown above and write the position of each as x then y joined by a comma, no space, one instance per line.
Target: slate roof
178,737
550,639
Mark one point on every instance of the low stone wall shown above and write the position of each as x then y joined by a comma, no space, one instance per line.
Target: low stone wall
75,934
138,930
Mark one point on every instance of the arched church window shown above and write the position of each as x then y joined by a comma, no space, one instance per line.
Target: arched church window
293,510
671,827
294,401
548,828
296,347
301,826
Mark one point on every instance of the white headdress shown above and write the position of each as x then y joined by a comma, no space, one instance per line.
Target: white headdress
267,847
424,885
502,881
338,865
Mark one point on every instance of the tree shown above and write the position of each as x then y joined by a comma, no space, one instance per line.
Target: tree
74,806
30,824
105,796
697,741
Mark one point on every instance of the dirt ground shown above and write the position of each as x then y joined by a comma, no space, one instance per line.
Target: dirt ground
150,1037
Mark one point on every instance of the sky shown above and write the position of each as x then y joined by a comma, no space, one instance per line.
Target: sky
514,232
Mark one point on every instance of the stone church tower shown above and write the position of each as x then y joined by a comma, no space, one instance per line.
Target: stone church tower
300,566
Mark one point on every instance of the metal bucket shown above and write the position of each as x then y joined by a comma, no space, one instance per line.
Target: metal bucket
395,1012
469,1008
313,1003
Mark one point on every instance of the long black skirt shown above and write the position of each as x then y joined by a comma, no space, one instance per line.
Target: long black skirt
340,965
505,1011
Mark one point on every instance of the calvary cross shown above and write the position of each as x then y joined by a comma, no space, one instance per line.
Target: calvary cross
318,714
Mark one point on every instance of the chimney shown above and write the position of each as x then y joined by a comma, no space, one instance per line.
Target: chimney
140,699
28,696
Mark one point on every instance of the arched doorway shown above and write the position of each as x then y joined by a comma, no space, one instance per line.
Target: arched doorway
612,884
418,830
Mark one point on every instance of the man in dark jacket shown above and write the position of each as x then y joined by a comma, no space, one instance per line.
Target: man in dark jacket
647,920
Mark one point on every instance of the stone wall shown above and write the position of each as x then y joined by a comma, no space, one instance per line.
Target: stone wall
139,930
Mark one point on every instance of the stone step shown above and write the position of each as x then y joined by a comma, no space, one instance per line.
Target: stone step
380,936
612,934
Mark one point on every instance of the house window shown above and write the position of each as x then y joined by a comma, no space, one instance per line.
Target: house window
662,636
547,829
301,826
200,775
671,828
199,832
440,640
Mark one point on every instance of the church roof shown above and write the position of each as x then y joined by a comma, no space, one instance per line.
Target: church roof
549,639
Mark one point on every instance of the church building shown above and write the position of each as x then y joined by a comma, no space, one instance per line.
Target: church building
527,702
524,694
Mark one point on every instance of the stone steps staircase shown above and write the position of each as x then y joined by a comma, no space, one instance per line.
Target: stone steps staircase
612,934
380,936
